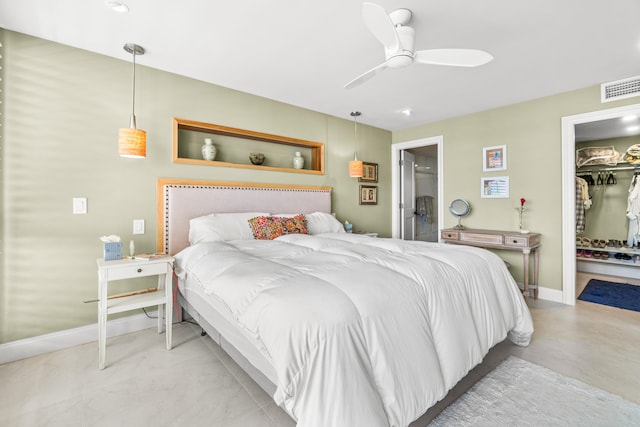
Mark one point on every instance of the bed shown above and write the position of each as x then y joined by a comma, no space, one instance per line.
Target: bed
341,329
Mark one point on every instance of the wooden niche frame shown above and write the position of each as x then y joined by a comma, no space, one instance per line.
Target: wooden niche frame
235,138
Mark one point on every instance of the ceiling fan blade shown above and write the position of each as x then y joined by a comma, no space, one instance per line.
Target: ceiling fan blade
453,57
379,23
365,76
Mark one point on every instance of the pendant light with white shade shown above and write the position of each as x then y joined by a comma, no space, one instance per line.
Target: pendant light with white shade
132,142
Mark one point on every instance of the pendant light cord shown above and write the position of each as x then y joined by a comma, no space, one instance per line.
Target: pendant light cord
133,103
135,50
355,115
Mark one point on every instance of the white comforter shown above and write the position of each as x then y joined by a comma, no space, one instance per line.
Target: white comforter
362,331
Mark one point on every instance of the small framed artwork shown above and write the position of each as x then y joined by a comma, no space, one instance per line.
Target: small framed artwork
496,187
494,158
368,195
369,172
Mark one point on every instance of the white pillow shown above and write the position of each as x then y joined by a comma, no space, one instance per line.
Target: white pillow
322,222
222,227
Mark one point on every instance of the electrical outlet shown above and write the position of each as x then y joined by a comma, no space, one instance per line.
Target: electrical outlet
138,226
79,205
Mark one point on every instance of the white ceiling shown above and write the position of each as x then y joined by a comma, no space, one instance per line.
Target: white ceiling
303,52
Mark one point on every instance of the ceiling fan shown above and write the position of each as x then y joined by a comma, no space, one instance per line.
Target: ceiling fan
398,39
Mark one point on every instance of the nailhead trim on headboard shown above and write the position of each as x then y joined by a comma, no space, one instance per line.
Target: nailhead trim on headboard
291,204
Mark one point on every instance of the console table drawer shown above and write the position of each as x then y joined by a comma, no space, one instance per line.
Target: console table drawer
492,239
519,241
449,235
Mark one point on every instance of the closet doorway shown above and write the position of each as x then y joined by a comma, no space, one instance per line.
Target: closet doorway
575,129
417,185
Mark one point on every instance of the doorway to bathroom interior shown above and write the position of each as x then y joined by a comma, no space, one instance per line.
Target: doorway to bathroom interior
417,189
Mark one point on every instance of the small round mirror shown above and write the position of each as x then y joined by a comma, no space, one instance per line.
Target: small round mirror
459,208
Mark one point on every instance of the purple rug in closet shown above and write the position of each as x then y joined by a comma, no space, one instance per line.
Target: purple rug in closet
614,294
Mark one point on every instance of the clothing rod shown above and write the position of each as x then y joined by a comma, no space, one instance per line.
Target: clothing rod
613,168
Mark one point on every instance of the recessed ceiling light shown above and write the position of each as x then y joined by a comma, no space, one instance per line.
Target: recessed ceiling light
117,6
629,118
406,112
633,128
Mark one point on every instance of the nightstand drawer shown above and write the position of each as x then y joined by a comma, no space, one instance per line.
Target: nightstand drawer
133,270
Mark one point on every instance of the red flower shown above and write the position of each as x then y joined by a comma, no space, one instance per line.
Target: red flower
522,200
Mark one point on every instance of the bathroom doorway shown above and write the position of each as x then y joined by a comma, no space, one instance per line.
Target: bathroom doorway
417,189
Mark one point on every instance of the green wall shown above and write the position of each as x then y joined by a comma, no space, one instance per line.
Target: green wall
62,111
62,108
532,132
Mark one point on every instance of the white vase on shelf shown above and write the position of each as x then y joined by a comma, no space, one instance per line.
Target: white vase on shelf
298,160
209,150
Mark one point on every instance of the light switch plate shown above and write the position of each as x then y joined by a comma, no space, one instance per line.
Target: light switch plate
138,226
79,205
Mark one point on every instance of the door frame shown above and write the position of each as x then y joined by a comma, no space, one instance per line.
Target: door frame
395,179
569,191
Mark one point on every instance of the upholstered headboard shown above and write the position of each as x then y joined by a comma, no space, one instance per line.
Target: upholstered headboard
179,200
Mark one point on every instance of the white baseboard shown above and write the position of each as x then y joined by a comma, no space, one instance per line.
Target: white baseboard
547,294
29,347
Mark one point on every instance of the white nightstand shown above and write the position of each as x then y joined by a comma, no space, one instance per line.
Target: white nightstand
128,269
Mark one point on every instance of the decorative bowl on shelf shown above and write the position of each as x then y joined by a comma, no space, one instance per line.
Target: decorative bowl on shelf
256,158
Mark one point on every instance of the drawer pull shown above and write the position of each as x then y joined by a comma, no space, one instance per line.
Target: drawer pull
139,270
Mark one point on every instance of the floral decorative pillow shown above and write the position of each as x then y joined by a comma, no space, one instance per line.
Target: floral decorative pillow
270,227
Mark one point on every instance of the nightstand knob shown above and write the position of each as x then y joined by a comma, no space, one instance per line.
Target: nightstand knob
139,270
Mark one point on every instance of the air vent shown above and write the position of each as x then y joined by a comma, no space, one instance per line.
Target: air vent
620,89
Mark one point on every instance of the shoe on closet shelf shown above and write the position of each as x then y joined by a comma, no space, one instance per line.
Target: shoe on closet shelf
588,253
605,255
579,252
599,243
583,241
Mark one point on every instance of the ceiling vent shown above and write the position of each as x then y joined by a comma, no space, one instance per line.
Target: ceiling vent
620,89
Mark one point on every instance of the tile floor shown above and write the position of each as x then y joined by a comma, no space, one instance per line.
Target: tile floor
197,384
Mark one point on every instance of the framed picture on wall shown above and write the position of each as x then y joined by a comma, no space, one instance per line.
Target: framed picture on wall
494,158
369,172
495,187
368,195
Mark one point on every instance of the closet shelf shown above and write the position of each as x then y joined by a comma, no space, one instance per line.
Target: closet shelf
611,249
629,263
633,262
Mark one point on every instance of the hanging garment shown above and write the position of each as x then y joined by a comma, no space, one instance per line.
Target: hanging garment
582,203
633,211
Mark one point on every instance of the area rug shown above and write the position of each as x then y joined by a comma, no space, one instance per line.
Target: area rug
621,295
520,393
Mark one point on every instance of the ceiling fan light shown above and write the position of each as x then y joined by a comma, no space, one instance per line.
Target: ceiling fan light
117,6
